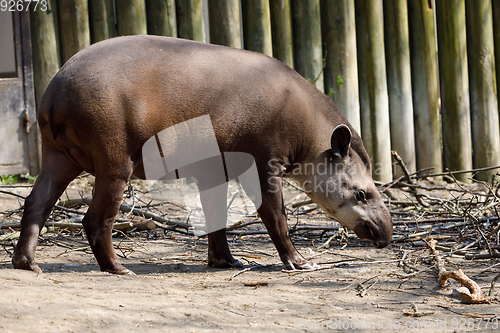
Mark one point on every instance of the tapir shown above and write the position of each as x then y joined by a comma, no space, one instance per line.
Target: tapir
111,97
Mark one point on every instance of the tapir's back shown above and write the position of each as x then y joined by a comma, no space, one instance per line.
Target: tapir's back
149,83
127,89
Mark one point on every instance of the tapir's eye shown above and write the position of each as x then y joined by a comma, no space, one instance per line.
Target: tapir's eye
361,196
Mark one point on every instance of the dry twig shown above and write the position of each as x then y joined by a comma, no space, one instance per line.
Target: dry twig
407,175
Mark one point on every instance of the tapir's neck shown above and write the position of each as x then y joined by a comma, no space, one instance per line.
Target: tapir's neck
322,120
318,123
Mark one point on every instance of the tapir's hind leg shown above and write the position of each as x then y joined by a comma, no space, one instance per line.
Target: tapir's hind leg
214,204
219,254
99,219
55,175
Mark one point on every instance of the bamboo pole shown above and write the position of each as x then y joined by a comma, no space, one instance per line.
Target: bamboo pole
341,71
307,49
190,21
131,17
45,46
73,16
425,85
161,19
281,28
397,53
225,22
483,99
450,17
257,26
102,20
374,103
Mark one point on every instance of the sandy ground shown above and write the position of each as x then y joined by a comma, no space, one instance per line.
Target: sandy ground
175,291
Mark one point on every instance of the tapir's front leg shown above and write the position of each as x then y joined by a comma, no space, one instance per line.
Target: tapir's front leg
99,219
56,173
272,213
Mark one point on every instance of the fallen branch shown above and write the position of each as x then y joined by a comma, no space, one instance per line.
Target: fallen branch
15,185
469,315
15,235
241,224
416,312
10,236
70,225
13,194
256,284
442,188
456,172
492,289
362,291
291,230
154,217
147,215
483,255
250,268
471,294
302,203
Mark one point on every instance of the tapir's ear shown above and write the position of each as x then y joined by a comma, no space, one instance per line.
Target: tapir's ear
341,140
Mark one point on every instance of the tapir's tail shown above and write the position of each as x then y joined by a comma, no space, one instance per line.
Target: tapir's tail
47,118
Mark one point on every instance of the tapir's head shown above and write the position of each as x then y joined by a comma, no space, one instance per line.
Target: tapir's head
339,181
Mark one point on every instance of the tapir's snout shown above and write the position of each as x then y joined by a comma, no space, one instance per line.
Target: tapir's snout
380,244
378,231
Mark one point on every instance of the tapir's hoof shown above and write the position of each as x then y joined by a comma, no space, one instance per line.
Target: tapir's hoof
309,265
128,272
236,264
301,264
22,262
223,263
119,271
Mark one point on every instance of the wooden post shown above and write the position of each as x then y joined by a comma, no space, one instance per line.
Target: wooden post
225,22
102,20
483,99
74,18
45,46
339,45
33,138
257,26
190,22
373,97
131,17
397,54
281,23
161,19
454,79
425,85
307,49
496,36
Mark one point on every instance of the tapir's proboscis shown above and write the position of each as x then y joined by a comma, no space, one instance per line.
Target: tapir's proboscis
110,98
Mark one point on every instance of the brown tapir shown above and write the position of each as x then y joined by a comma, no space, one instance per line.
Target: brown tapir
111,97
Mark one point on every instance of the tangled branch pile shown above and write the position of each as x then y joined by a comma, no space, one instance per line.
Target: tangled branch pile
461,219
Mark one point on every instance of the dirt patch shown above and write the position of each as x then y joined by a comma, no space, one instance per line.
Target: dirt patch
175,291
